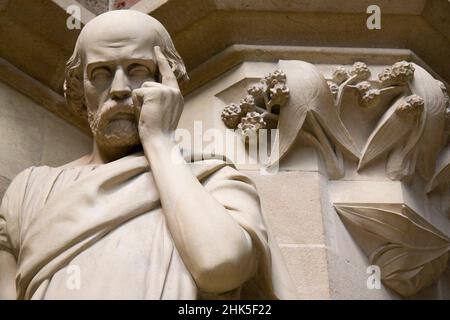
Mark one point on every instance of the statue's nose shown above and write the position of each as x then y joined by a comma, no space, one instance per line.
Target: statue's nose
120,86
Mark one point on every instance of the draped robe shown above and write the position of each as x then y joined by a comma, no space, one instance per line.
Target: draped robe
105,225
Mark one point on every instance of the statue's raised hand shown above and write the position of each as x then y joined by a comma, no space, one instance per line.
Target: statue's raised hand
161,103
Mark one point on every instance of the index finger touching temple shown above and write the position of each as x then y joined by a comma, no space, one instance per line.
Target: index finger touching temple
168,78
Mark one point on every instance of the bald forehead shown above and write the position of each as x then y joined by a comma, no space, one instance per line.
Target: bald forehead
119,35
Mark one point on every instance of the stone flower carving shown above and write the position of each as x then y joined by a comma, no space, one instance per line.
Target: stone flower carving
410,252
310,115
363,87
340,74
334,88
356,78
359,71
370,98
432,135
259,109
399,73
407,110
251,123
279,94
396,134
231,115
411,105
247,104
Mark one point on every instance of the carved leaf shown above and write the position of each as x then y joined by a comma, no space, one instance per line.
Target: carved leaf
410,252
310,96
397,133
433,138
441,180
334,163
442,174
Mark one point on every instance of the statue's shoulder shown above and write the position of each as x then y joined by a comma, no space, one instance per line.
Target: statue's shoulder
28,177
17,189
23,177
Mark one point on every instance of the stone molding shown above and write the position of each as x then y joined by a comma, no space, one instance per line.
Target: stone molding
203,29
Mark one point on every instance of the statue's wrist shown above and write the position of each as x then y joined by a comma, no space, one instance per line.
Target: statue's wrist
157,142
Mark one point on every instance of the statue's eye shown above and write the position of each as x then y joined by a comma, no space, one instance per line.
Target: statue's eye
100,72
138,70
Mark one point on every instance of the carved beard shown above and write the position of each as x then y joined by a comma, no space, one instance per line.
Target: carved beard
115,125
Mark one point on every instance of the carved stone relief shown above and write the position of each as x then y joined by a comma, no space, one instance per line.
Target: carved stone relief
410,252
401,117
260,108
309,112
441,180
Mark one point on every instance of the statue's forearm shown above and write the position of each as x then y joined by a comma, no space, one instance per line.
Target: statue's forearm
215,249
7,276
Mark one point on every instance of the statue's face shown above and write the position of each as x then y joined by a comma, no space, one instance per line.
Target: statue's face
116,60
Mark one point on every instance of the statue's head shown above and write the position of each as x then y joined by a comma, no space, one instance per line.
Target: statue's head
114,55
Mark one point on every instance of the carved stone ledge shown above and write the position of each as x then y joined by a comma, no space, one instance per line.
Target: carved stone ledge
239,53
411,253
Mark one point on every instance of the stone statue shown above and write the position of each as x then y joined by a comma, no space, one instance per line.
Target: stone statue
134,219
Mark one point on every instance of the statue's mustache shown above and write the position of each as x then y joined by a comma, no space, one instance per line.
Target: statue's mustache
112,108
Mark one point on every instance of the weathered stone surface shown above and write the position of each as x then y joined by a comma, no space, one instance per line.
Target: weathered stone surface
62,143
294,219
21,131
309,270
349,281
4,183
33,136
122,4
196,21
285,202
96,6
322,257
100,6
115,202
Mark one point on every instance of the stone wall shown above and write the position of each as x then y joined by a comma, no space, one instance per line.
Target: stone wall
32,136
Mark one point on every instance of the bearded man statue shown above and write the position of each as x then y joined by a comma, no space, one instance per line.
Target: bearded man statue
136,219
